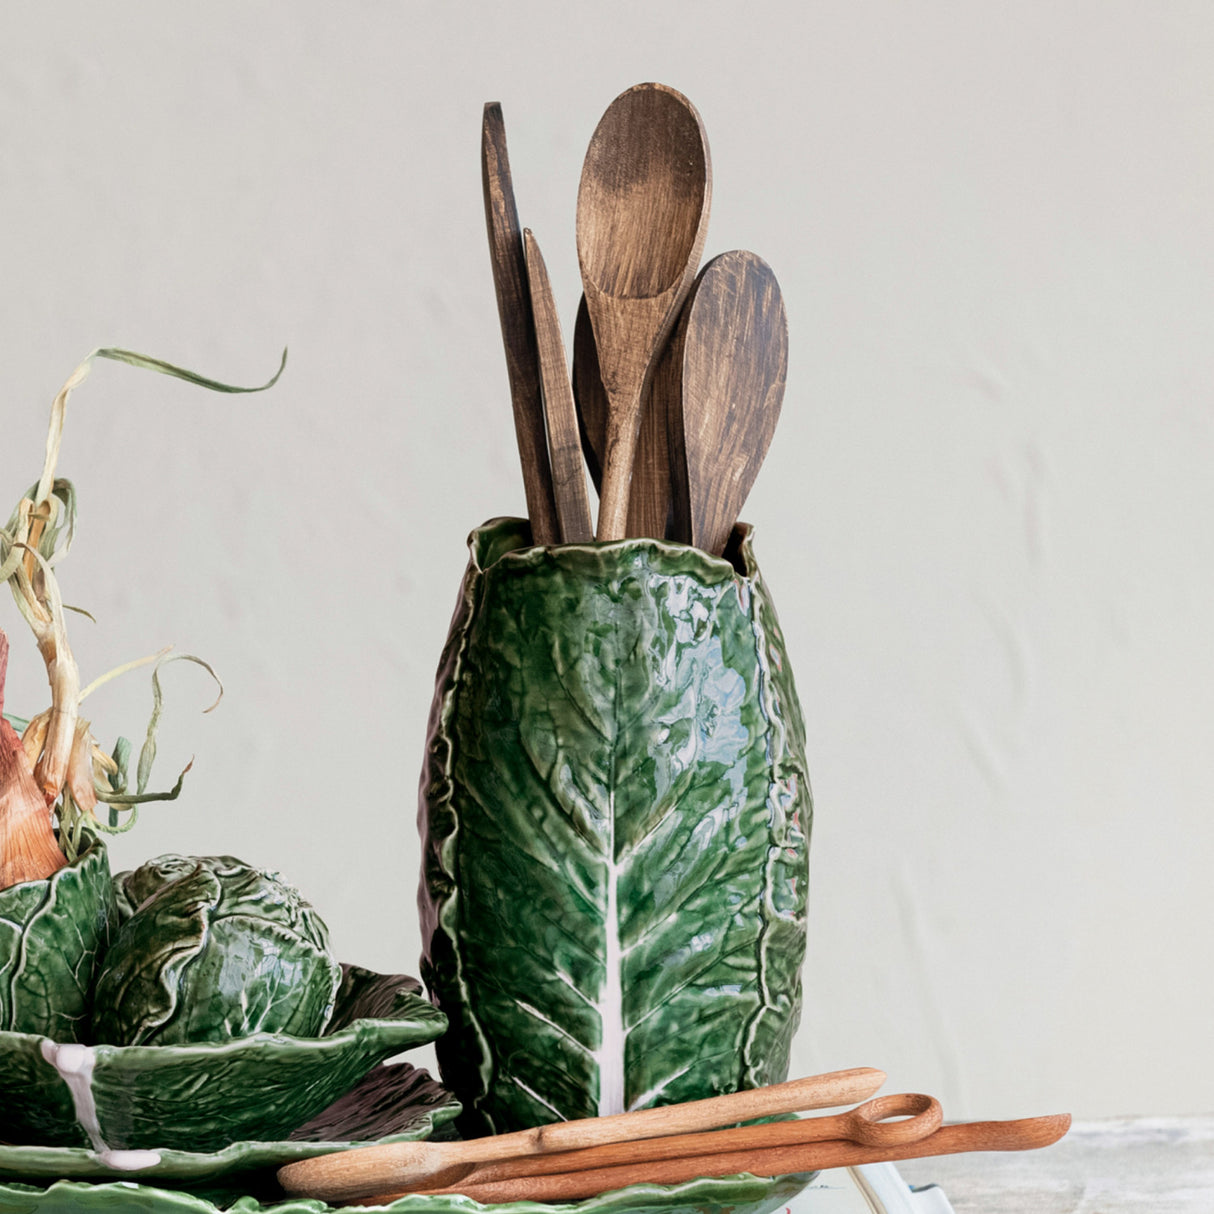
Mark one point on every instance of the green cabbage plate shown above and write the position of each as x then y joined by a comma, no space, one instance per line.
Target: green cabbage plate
205,1096
394,1103
717,1195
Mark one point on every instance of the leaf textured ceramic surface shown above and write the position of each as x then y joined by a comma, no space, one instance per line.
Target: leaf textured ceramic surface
212,949
393,1103
615,813
51,935
718,1195
205,1096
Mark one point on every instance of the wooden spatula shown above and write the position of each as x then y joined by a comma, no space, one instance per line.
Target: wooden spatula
730,355
564,445
518,331
589,396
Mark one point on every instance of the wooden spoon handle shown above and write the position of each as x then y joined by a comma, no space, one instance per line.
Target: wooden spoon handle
1026,1134
366,1169
814,1092
921,1116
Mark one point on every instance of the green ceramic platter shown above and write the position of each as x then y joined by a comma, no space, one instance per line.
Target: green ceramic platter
204,1097
718,1195
395,1103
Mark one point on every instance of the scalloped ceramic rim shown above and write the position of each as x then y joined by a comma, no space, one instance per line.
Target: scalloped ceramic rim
744,1194
296,1077
45,1164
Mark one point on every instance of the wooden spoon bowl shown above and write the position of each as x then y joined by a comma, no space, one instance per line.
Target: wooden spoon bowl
642,217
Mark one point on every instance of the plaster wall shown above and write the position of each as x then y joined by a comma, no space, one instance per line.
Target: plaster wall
985,516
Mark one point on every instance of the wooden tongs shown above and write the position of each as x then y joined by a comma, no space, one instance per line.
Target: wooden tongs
402,1165
572,1160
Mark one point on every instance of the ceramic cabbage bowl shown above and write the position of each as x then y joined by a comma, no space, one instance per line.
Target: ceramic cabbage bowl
207,1095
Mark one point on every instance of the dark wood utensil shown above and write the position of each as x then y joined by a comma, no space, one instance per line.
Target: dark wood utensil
649,508
1029,1133
642,216
730,355
518,331
372,1168
589,395
564,444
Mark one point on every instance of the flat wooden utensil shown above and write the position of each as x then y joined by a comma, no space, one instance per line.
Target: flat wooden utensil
518,331
1027,1134
363,1170
730,356
919,1116
642,216
564,444
649,493
589,395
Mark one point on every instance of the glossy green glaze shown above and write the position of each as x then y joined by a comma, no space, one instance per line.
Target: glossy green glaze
393,1103
718,1195
205,1096
615,816
51,934
212,949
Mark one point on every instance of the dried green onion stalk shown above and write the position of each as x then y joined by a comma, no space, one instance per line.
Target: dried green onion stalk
58,773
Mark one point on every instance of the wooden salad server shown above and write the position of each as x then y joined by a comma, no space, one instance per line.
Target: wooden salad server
642,216
372,1169
564,444
518,331
726,366
918,1116
1028,1134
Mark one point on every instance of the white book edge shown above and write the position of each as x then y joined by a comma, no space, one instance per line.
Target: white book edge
875,1188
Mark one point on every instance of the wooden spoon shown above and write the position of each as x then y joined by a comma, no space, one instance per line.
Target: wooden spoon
642,215
369,1169
518,331
649,506
1030,1133
730,353
564,445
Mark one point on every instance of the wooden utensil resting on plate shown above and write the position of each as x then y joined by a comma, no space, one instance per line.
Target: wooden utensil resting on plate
1027,1134
918,1116
375,1168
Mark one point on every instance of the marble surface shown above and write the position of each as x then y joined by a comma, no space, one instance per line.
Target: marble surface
1160,1165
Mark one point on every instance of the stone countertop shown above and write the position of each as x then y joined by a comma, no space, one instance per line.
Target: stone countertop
1160,1165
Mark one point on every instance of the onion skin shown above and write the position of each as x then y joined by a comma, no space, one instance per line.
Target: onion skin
28,849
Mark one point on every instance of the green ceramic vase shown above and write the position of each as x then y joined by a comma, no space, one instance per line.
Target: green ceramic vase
615,816
52,934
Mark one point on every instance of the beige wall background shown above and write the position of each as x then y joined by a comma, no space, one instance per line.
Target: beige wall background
986,515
